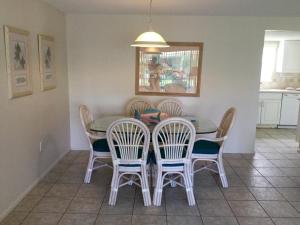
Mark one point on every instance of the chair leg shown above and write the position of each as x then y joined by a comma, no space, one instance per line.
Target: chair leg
145,187
192,172
222,173
188,186
114,187
89,170
158,188
153,175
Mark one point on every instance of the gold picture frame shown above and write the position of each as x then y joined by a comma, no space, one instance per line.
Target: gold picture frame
173,71
47,62
17,49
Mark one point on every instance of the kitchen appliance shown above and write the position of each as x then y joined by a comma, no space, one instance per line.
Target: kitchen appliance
289,109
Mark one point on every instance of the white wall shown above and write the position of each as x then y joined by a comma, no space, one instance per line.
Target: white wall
25,121
101,65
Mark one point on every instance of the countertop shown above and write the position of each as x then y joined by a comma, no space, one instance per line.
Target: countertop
279,91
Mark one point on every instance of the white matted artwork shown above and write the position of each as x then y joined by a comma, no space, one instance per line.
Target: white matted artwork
47,62
17,61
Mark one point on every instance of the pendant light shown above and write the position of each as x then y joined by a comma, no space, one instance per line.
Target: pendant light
150,39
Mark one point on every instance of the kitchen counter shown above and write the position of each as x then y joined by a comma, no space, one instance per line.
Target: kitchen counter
279,91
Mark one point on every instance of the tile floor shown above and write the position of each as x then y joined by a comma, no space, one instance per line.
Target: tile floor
264,190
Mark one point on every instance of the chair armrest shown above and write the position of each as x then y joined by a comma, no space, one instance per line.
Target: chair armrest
211,139
95,136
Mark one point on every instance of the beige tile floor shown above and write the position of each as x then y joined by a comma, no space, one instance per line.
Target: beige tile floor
264,190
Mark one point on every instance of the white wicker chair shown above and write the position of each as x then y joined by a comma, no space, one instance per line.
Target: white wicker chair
211,149
173,141
97,142
137,104
129,140
173,107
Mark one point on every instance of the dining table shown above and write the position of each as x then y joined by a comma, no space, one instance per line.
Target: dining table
202,125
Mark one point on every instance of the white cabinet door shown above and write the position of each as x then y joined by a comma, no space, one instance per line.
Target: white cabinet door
270,113
289,110
291,57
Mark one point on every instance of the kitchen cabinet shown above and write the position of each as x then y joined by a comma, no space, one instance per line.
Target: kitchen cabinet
270,113
289,109
269,109
288,57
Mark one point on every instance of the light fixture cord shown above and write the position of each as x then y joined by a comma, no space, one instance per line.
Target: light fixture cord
150,15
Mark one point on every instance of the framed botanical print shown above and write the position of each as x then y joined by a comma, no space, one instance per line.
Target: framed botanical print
17,44
47,62
174,71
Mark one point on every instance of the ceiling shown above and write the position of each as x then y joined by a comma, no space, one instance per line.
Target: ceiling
183,7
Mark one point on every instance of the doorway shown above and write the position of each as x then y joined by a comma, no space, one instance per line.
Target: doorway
278,109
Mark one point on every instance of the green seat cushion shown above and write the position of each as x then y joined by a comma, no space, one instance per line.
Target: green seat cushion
101,145
173,165
130,165
206,147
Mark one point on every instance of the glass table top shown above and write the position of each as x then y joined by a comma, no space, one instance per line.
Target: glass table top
202,125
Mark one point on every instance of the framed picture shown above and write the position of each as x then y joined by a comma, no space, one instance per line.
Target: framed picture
47,62
174,71
18,62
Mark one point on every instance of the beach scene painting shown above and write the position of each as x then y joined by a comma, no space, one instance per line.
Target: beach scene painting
169,71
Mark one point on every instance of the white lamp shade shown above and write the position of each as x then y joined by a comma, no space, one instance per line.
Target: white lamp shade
150,39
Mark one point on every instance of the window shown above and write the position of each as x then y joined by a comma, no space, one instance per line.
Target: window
269,60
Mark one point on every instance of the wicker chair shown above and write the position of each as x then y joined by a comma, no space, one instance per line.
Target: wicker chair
137,104
173,107
97,143
173,141
129,140
211,149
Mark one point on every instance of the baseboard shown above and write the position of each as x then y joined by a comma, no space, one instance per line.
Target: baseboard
266,126
19,199
287,126
79,149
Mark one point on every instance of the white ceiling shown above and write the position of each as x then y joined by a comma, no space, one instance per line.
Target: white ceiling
183,7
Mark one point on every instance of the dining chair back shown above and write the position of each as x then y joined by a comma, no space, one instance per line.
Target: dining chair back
172,107
226,123
173,141
211,149
128,140
86,117
139,105
98,146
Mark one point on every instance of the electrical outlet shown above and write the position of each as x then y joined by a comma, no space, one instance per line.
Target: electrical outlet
41,145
